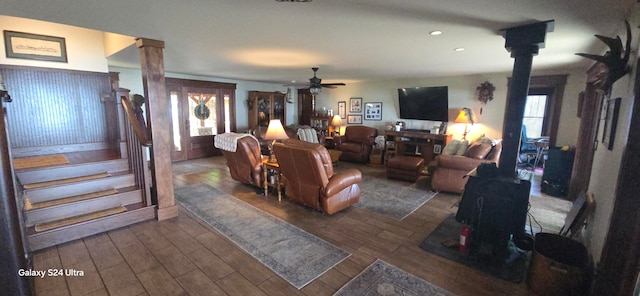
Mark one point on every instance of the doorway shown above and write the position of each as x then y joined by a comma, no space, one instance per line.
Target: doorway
199,111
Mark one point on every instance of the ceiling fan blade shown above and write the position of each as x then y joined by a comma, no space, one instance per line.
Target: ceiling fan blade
332,85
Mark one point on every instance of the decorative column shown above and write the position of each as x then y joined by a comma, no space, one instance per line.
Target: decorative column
157,109
523,42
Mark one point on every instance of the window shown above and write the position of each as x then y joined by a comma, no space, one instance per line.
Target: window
534,115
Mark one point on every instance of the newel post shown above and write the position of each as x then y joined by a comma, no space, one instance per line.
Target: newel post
152,62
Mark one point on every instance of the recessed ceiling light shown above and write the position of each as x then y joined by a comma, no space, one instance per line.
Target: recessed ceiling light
459,49
435,33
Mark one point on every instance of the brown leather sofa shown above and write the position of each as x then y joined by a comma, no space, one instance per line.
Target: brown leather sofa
356,143
310,180
450,170
245,164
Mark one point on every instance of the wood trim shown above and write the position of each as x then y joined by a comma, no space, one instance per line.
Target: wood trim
585,144
198,83
42,150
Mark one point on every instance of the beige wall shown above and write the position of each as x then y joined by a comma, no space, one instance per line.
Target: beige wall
606,163
462,93
85,48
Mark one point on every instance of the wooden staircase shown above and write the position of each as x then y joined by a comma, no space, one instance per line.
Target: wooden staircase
71,201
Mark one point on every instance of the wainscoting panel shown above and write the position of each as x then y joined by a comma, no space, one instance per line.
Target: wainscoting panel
55,107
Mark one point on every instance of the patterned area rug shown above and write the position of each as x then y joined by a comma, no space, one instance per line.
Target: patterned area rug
393,198
294,254
381,278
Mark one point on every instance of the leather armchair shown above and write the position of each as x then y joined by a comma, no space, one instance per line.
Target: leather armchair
450,170
356,143
290,130
245,164
310,180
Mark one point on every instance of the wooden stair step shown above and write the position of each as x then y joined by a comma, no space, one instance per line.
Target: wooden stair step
66,200
66,181
135,213
78,219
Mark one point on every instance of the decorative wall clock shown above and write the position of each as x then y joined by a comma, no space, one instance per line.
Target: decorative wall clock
485,92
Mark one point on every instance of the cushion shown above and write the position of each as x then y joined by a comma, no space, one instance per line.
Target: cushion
462,148
478,150
308,135
451,148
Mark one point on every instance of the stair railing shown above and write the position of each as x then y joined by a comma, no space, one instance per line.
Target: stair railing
137,143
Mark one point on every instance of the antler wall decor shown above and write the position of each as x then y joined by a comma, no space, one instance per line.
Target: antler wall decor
616,59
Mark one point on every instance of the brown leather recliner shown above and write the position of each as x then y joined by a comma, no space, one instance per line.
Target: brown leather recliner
309,178
245,164
450,171
356,143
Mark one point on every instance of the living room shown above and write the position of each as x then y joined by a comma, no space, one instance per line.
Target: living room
462,93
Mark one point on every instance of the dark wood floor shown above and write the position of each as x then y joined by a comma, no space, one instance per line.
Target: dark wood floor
183,256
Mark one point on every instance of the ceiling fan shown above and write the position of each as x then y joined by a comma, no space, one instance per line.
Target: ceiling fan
317,82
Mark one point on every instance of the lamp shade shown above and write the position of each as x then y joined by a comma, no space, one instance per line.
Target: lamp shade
275,131
466,115
336,120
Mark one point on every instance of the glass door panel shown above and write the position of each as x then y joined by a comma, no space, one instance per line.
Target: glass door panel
278,106
264,110
202,114
177,127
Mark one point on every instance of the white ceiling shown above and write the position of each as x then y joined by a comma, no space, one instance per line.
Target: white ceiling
350,40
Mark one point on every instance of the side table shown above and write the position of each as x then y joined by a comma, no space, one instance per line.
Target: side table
266,166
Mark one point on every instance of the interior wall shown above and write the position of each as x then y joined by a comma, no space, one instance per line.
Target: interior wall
462,93
132,79
606,163
85,48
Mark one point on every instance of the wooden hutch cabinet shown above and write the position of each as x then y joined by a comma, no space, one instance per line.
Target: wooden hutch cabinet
264,106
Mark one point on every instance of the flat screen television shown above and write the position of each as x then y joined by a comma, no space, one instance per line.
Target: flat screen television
424,103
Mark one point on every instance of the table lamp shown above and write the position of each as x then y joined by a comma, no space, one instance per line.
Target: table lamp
466,116
275,132
336,122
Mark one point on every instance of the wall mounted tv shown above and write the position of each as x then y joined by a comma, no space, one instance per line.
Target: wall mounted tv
424,103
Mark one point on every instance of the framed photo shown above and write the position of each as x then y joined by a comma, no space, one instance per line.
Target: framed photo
354,119
373,111
611,122
35,47
355,105
342,109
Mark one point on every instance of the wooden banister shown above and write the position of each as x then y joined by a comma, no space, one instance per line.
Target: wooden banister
138,129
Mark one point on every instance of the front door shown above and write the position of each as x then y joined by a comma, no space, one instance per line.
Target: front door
198,114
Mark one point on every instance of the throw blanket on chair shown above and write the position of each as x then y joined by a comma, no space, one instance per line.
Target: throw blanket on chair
229,141
308,135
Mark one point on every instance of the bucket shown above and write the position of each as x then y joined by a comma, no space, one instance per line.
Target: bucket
559,266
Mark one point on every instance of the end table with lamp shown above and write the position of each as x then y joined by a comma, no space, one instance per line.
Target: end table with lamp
275,132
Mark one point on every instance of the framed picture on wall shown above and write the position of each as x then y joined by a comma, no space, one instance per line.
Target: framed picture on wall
355,105
35,47
342,109
610,122
354,119
373,111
